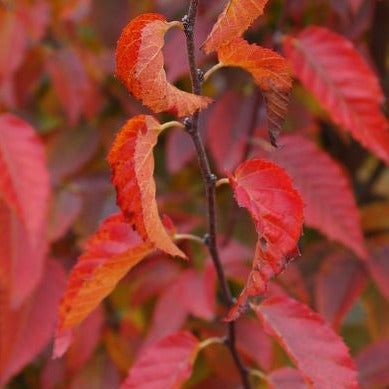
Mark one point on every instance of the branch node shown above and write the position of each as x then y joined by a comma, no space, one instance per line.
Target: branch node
212,180
188,123
207,239
188,28
200,75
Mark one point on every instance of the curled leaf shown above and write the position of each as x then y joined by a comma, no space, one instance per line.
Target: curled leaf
110,254
236,18
270,72
139,64
276,208
132,163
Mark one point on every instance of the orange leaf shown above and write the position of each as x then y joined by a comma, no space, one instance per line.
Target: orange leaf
110,254
139,61
236,18
335,73
266,191
132,162
270,72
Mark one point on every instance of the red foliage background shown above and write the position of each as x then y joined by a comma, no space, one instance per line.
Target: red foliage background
61,108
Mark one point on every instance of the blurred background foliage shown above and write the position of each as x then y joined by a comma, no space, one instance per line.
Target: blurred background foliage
57,64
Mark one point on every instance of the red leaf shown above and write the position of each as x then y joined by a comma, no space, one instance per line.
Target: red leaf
236,18
373,365
25,191
140,63
132,163
110,254
70,150
151,277
179,146
378,265
339,284
24,179
35,16
99,373
202,302
228,127
65,208
20,261
318,352
252,341
286,378
70,81
277,210
167,364
26,331
176,59
270,72
168,317
322,182
86,339
13,38
330,68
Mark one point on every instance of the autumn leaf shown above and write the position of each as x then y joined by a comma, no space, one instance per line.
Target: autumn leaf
235,19
253,342
24,194
276,208
132,163
270,72
165,365
70,82
139,65
339,283
110,254
14,39
378,266
318,352
335,73
24,178
322,182
21,262
286,378
373,365
25,331
229,124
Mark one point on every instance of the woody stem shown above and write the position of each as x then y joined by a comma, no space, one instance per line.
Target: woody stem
209,183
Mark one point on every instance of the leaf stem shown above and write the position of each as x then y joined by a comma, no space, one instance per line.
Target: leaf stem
212,70
176,24
171,124
191,237
207,342
209,182
259,374
222,181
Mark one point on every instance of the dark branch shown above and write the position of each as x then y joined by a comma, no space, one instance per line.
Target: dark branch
209,183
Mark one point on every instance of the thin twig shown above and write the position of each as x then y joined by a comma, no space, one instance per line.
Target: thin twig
209,183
